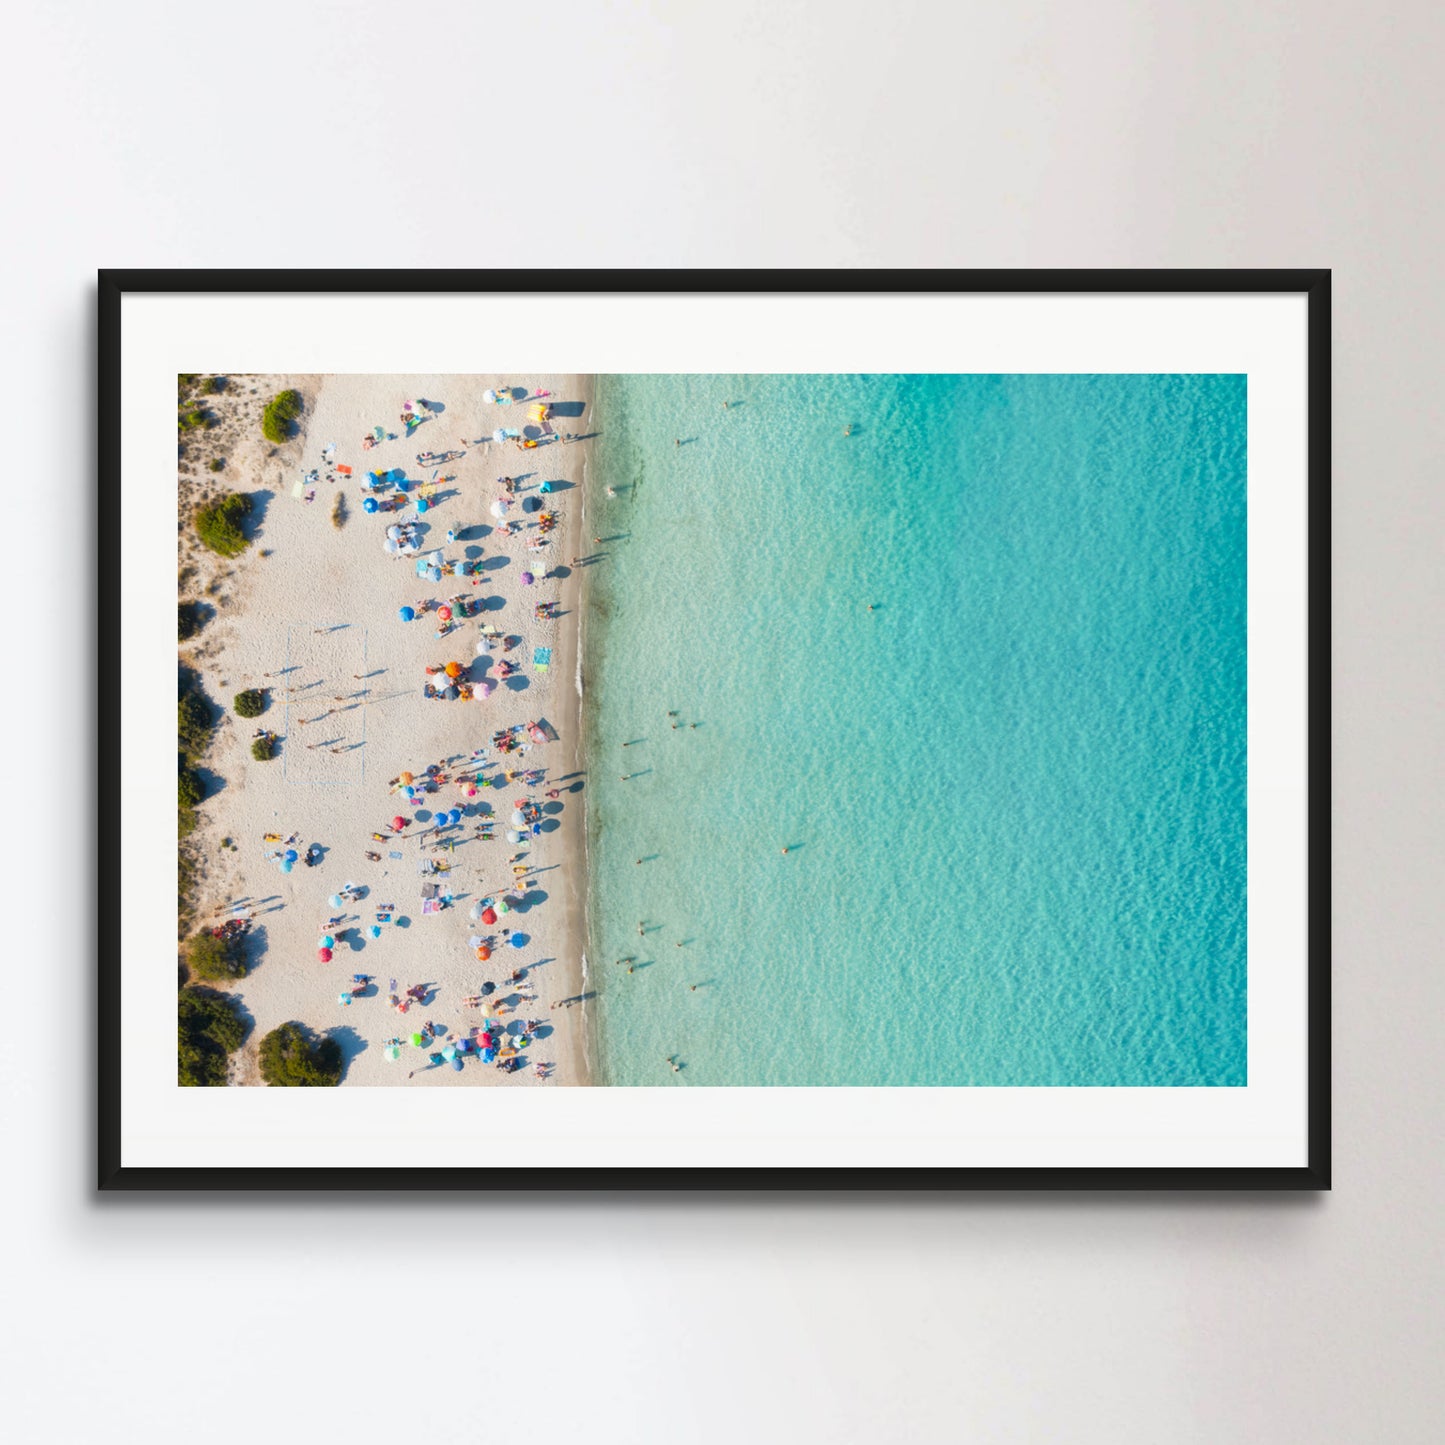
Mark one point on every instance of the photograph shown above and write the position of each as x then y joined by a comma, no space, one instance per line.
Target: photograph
718,729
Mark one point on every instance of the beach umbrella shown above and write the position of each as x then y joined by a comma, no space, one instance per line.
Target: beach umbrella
416,1040
375,930
398,823
392,1054
514,837
484,952
527,579
451,694
489,395
453,669
499,508
475,912
499,435
445,613
421,505
392,548
449,1053
286,867
324,954
503,906
410,792
406,614
517,940
545,487
335,900
488,687
343,998
486,1040
519,817
489,915
368,504
457,1065
291,855
488,1055
326,941
405,777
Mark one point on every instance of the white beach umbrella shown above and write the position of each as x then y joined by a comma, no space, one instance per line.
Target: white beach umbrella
499,508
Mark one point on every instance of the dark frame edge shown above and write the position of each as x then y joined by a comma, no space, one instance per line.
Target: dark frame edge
108,477
1314,1176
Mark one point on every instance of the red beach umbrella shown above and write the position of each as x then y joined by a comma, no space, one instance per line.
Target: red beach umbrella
445,613
398,823
489,915
324,954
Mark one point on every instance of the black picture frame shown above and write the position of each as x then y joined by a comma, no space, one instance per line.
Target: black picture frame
1312,284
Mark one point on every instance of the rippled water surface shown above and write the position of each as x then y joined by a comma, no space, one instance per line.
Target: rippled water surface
1012,794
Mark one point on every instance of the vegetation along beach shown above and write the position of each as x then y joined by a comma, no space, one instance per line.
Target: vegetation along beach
712,730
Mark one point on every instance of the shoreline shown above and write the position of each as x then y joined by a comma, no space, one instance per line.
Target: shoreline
304,569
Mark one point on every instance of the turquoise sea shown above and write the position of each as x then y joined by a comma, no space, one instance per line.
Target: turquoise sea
1013,794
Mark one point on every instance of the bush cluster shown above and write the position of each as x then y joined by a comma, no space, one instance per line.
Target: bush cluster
251,702
214,959
208,1029
190,618
293,1057
193,725
191,789
264,749
219,524
278,420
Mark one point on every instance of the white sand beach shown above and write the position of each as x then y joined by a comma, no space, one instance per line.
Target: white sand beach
310,612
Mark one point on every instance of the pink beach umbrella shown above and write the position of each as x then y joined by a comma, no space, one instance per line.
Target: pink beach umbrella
527,579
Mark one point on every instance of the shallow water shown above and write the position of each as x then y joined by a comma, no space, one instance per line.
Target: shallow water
1013,795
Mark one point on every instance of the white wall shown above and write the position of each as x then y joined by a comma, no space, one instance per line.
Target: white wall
1040,133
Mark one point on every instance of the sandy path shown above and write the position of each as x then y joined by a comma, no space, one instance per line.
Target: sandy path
313,616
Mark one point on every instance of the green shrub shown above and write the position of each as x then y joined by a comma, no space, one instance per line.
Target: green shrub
293,1057
208,1028
264,749
192,789
187,821
219,524
210,385
251,703
193,724
216,464
214,958
277,421
190,618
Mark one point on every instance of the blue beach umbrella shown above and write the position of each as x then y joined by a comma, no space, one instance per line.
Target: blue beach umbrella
291,855
335,900
488,1055
368,504
449,1052
327,941
286,865
375,931
407,614
457,1065
455,815
518,940
421,504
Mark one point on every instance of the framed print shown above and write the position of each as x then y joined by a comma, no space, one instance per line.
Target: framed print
726,730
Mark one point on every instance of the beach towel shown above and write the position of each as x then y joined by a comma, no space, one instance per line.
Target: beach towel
431,905
542,658
345,471
299,490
